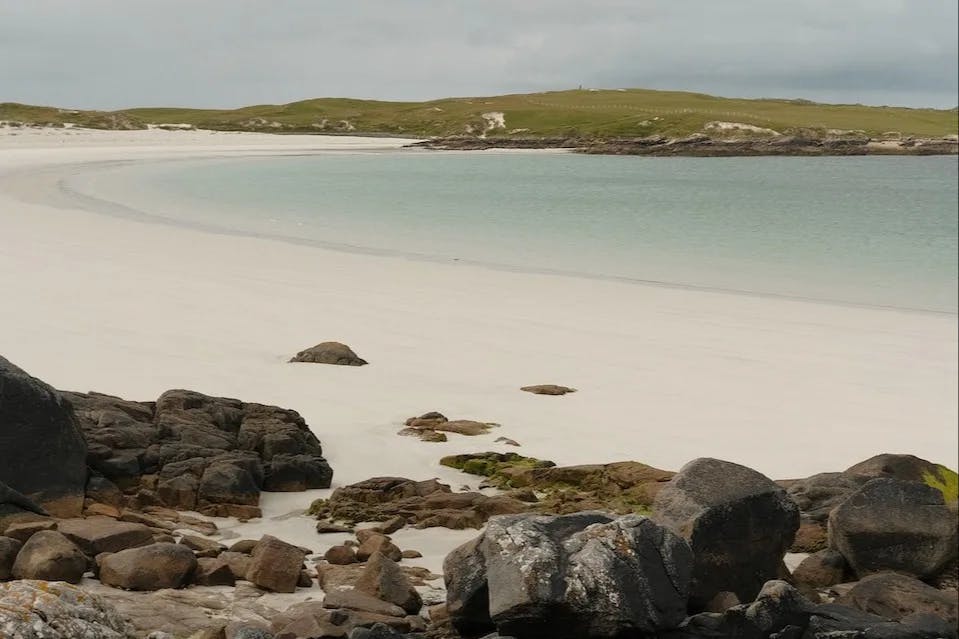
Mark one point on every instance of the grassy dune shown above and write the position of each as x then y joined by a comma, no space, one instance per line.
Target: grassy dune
581,113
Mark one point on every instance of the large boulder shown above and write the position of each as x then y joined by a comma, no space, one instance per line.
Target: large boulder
739,523
330,353
48,610
275,565
42,452
890,524
570,576
152,567
895,596
50,556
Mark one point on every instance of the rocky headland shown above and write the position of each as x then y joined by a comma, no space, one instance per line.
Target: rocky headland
799,143
105,533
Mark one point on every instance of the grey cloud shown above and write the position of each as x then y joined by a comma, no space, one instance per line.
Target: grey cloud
118,53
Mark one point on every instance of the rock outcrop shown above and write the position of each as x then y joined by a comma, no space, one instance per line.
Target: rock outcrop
739,523
570,576
42,452
330,353
896,596
55,610
192,451
424,504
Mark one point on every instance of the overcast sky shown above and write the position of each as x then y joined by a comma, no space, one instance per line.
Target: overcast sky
225,53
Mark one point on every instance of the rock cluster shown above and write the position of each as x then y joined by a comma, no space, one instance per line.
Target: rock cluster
433,426
423,504
195,452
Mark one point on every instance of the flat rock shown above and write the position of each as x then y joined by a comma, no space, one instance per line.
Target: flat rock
356,600
896,596
96,535
548,389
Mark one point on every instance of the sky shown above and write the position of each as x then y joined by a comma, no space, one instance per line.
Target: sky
109,54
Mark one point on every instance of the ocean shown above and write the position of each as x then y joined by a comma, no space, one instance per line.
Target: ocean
875,231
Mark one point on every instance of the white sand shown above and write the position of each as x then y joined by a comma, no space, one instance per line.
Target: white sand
791,388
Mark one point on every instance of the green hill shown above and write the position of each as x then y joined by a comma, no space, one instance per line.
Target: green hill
577,113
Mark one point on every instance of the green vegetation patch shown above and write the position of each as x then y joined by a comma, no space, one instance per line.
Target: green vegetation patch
945,481
503,470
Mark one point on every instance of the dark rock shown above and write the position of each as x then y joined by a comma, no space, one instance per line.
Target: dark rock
816,496
384,580
894,596
213,454
834,621
42,452
904,467
8,554
738,522
49,556
152,567
102,490
330,353
275,565
376,631
569,576
889,524
324,527
422,503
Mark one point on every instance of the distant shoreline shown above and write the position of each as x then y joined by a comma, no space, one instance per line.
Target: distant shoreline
705,146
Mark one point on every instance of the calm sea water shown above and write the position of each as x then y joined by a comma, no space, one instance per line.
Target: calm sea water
878,231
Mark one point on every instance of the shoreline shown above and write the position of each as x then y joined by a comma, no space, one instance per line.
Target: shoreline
753,355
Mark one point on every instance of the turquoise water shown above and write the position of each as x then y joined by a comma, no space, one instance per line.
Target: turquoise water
878,231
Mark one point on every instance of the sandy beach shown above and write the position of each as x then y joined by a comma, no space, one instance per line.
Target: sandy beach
790,388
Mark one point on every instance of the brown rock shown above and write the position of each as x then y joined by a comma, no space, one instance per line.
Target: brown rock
548,389
305,580
148,520
152,567
340,555
384,580
22,531
238,562
391,525
245,546
330,353
377,543
821,569
275,565
412,554
213,572
357,600
179,492
201,546
811,537
49,556
95,509
97,535
9,548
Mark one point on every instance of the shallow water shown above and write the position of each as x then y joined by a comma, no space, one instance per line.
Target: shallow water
880,231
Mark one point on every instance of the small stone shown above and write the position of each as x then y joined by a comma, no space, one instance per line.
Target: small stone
412,554
340,555
548,389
